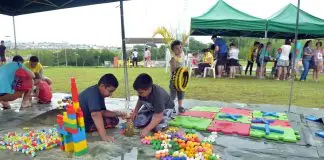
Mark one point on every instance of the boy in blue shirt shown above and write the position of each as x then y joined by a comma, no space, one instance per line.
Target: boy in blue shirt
92,103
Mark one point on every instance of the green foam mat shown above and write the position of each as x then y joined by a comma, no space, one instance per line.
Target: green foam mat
191,122
282,116
243,119
289,134
205,109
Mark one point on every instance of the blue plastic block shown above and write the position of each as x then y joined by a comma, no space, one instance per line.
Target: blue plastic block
267,129
273,114
231,116
71,116
320,133
80,136
313,118
62,131
261,120
67,139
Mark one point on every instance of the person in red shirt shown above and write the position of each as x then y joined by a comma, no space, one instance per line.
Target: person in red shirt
43,90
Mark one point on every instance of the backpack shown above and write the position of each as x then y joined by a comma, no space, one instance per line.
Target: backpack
22,81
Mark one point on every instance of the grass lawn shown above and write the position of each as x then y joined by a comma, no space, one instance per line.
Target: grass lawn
242,89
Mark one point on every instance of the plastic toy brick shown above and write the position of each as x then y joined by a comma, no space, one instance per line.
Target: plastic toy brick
199,114
79,146
241,119
80,136
243,112
71,121
80,122
191,122
76,105
68,125
205,109
320,133
267,129
70,109
67,139
270,115
289,134
59,119
71,116
81,153
272,122
229,128
61,130
68,147
79,112
71,130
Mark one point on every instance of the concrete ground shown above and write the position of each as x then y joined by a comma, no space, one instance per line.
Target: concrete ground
309,147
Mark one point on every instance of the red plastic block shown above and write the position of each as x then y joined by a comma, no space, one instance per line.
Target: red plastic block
243,112
59,120
71,130
79,113
229,127
199,114
279,123
70,109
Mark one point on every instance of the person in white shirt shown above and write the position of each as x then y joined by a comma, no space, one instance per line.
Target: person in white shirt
283,62
134,59
233,59
147,57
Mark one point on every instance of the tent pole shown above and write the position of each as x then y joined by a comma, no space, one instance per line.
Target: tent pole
124,55
293,56
14,27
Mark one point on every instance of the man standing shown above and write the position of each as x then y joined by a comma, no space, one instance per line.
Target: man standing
220,54
2,53
135,53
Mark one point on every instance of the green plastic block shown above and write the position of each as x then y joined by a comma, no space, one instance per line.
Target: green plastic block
73,126
289,134
191,122
205,109
81,153
282,116
243,119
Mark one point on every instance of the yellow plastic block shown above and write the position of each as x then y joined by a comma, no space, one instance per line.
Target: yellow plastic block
65,117
80,122
70,121
76,105
69,147
80,146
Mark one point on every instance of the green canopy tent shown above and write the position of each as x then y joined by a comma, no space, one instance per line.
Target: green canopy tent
224,20
282,24
20,7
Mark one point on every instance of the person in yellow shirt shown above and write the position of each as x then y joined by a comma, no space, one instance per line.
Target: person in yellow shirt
251,56
34,65
207,60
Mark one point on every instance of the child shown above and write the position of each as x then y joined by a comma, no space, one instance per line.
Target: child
43,90
154,106
92,103
8,92
176,61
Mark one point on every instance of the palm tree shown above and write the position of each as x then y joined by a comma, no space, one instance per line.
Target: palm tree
168,37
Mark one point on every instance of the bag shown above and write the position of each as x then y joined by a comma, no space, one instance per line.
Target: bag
22,82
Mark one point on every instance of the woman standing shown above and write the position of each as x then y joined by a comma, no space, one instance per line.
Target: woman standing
233,59
307,59
283,61
318,60
264,58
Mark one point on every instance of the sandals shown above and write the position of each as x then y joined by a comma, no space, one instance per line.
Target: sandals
181,109
5,105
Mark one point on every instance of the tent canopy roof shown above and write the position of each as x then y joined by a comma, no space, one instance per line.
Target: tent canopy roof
284,21
222,19
20,7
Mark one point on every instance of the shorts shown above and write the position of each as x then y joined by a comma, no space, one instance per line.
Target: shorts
175,93
145,115
318,63
221,59
283,63
233,62
2,94
109,122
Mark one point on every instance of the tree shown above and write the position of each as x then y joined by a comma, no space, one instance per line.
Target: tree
196,46
168,37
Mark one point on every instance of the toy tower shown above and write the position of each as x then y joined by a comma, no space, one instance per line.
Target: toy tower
71,126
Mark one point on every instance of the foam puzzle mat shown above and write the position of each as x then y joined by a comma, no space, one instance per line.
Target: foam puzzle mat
205,109
191,122
199,114
244,112
288,135
270,115
239,118
227,127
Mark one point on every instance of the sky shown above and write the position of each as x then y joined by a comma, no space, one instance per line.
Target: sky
100,24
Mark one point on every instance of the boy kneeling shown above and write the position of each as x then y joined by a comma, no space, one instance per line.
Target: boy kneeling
92,103
154,106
